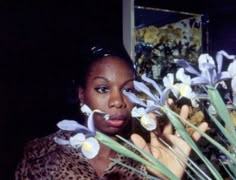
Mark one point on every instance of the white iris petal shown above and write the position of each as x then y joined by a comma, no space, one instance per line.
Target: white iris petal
70,125
77,140
85,109
148,122
61,141
137,112
233,86
106,116
203,60
185,90
232,69
168,80
181,76
90,148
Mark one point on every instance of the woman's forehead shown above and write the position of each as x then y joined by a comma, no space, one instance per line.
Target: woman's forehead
111,66
111,61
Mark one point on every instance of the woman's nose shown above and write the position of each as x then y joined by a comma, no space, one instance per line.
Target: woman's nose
116,99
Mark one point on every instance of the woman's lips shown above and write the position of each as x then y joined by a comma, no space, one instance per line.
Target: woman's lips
116,121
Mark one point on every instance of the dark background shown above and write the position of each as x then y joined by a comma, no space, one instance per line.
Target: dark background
39,57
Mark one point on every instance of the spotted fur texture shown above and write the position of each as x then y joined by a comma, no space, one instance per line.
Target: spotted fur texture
45,160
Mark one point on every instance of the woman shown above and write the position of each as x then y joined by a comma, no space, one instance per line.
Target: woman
105,75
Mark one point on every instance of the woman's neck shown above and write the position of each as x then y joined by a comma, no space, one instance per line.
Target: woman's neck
106,152
101,162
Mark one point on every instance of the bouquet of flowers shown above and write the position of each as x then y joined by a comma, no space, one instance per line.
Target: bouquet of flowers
210,90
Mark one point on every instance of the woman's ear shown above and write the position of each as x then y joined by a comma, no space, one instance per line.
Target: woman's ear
81,95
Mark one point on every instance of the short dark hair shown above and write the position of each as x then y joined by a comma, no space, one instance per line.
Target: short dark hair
96,51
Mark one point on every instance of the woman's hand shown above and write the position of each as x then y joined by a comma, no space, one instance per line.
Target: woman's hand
162,152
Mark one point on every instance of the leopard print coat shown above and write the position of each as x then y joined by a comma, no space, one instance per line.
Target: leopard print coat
46,160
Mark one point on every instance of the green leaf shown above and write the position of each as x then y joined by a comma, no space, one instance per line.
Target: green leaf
222,111
174,118
159,166
135,170
128,153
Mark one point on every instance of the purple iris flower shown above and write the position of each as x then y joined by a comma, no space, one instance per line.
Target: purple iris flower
209,73
83,140
155,98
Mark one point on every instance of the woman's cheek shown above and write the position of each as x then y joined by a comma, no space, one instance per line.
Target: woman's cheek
129,104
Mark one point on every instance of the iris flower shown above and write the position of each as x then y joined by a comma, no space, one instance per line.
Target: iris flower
84,139
182,88
232,69
168,82
146,121
155,99
185,89
232,72
209,73
233,86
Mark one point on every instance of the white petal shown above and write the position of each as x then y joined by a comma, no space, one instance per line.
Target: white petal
234,99
232,68
194,102
61,141
137,112
175,90
168,80
106,116
181,76
141,87
150,103
90,122
233,85
152,82
69,125
77,140
222,83
133,98
194,99
185,90
90,148
148,123
224,75
205,59
85,109
199,80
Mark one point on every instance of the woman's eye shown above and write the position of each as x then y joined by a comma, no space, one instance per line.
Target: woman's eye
101,89
128,89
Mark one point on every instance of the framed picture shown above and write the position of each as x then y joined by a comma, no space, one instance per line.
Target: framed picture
155,37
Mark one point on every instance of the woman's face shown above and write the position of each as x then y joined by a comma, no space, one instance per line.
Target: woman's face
106,80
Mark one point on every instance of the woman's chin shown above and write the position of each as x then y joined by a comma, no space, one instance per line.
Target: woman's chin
112,131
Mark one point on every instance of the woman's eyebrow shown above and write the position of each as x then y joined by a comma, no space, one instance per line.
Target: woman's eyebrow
100,77
129,80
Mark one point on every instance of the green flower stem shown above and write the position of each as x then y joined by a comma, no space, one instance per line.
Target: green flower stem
219,146
221,110
229,170
191,165
159,166
184,134
135,170
128,153
211,140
